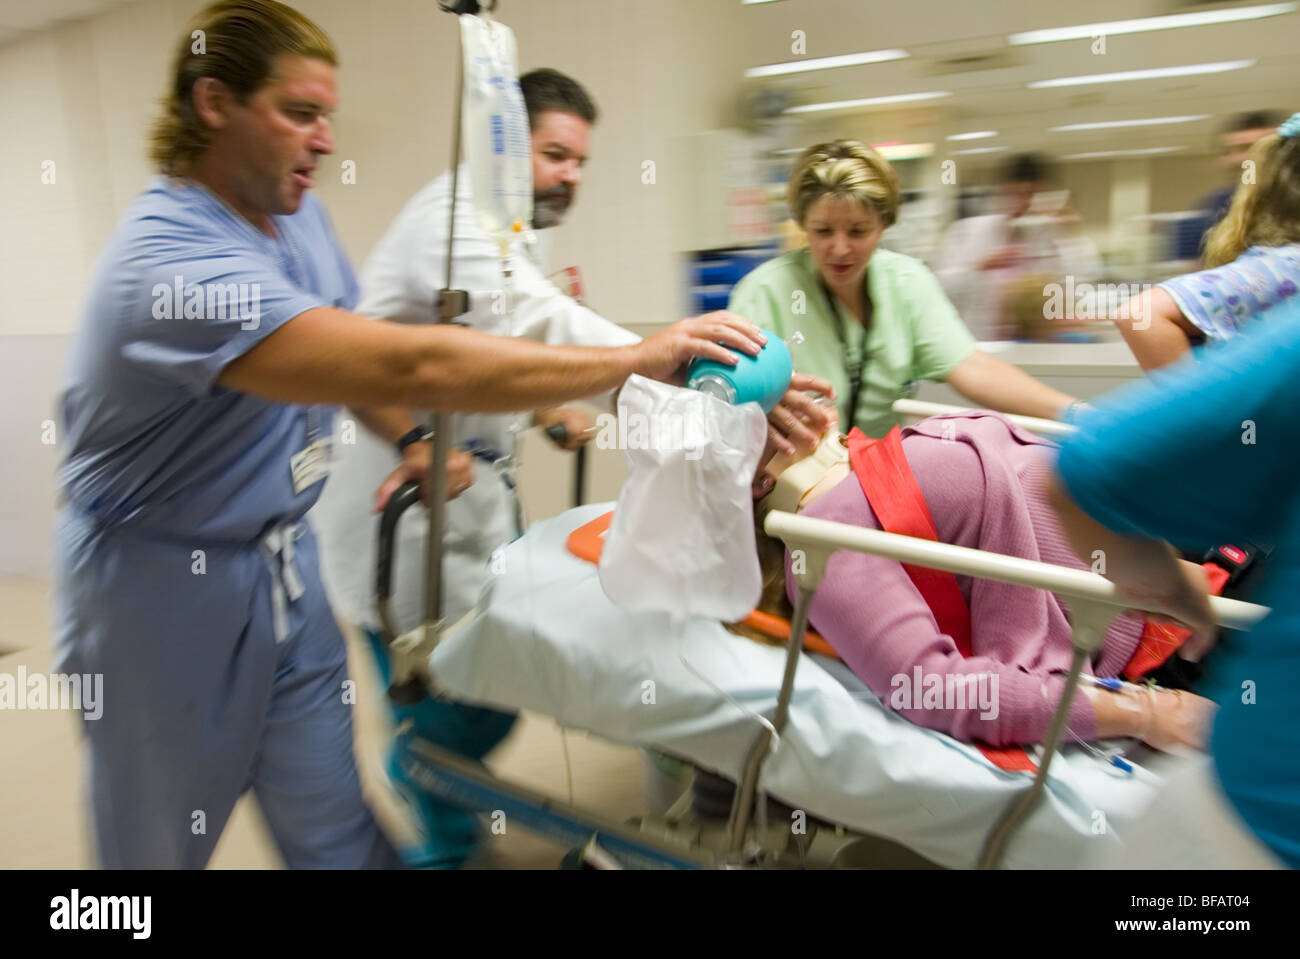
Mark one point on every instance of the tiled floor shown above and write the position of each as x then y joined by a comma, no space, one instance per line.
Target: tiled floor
43,811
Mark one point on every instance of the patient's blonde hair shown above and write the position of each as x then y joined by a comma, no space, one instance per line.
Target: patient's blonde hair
848,170
772,600
1266,211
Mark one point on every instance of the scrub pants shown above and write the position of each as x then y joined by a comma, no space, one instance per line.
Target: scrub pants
203,701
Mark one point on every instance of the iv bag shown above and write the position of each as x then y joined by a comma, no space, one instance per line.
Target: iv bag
494,128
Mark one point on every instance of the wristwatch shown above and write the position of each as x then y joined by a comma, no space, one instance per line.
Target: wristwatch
416,435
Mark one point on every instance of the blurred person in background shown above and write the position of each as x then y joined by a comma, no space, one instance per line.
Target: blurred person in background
1235,140
1253,257
980,255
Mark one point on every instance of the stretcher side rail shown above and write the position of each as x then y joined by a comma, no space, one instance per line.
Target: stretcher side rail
920,409
1093,602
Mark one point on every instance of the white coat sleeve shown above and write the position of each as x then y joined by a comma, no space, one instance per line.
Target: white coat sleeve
544,314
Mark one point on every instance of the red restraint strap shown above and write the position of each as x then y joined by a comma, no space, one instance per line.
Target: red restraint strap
894,496
1161,640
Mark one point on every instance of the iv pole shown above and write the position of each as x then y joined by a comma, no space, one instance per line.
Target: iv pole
410,672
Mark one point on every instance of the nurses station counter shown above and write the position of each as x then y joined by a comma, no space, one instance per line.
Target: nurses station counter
1083,370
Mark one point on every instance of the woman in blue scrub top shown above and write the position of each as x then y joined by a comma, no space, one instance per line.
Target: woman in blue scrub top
1226,427
216,323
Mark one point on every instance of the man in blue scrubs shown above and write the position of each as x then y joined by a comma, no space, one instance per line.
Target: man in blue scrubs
217,322
1205,453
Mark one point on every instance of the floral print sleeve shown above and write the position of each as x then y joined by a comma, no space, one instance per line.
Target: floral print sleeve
1223,300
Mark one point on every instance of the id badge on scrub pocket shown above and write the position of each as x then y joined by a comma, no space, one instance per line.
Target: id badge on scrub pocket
311,464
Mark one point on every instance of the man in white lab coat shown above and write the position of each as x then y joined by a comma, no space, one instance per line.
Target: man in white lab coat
400,281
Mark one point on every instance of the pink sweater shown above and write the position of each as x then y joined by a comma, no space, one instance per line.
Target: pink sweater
984,481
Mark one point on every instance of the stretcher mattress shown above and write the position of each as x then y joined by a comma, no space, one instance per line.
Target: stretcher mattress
546,639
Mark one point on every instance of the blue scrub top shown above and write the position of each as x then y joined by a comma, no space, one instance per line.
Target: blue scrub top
1205,453
184,286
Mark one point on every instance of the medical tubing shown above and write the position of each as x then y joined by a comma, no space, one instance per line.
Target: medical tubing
1122,692
1112,759
1112,683
1148,715
769,731
1107,758
757,717
743,804
1023,804
773,737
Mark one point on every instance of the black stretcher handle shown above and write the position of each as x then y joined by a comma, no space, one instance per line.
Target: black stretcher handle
406,496
559,435
474,7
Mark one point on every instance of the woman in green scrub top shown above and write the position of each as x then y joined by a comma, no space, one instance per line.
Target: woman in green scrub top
872,320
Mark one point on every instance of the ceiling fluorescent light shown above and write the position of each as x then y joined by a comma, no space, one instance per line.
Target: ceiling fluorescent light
1088,31
973,150
1186,71
869,101
826,63
1111,124
1106,154
977,135
903,151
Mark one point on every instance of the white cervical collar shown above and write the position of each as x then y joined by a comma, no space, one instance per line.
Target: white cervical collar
794,484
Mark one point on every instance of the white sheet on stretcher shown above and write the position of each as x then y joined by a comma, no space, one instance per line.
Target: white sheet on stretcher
545,638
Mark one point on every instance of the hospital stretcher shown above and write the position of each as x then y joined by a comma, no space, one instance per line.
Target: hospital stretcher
858,785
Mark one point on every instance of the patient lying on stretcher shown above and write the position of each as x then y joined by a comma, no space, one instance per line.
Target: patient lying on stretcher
984,482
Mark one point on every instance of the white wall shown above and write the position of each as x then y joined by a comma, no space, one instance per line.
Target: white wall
83,94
